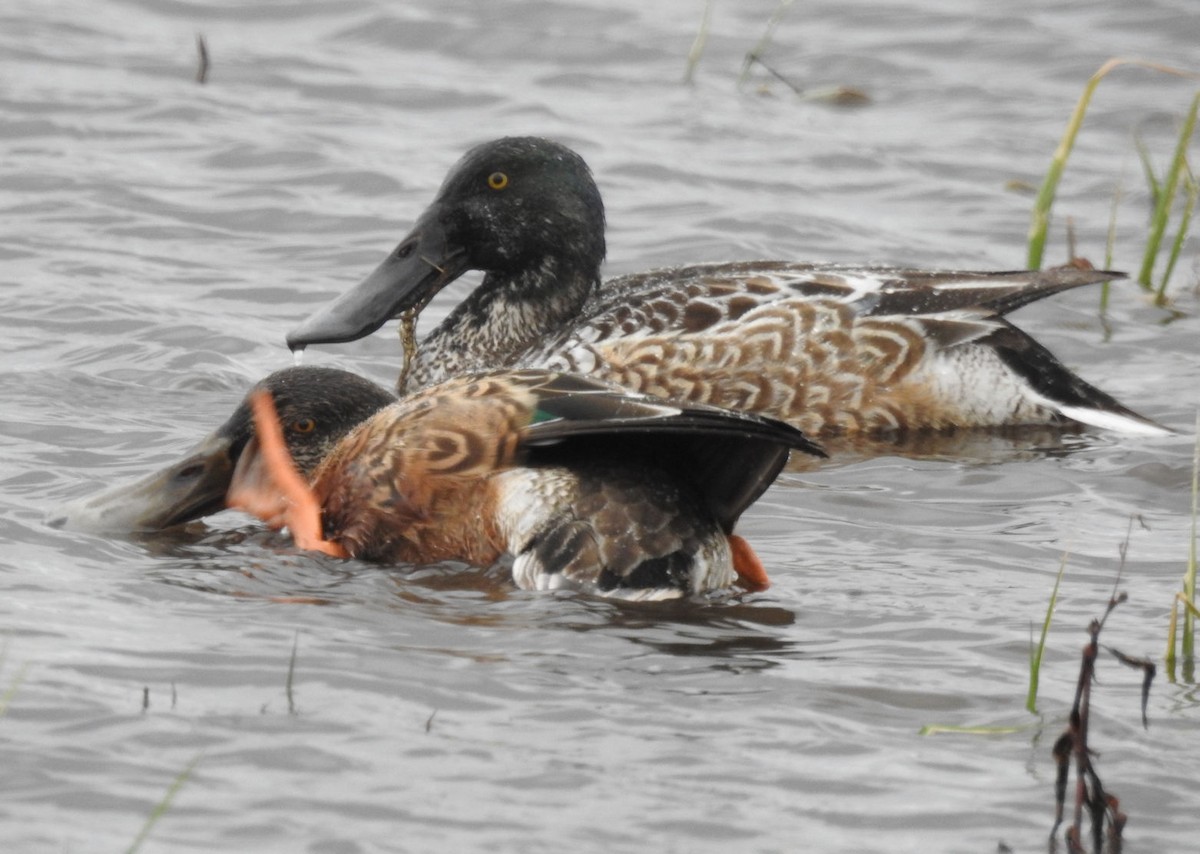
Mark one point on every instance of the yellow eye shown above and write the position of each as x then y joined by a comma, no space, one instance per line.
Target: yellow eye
497,180
304,425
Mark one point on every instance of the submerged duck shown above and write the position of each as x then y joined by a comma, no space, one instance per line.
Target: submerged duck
318,405
832,350
584,485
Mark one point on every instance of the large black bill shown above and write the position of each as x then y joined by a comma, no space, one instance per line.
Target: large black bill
190,489
418,268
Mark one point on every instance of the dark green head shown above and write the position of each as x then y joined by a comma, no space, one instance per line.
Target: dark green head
317,408
514,201
508,206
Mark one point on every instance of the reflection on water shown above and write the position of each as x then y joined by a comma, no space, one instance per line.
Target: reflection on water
979,447
250,562
160,238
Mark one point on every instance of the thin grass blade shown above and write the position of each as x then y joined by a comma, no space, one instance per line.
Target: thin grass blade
1185,221
165,804
1040,221
1189,578
1166,196
1035,653
697,48
940,729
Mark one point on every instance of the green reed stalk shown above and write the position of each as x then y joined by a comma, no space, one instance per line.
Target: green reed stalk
7,697
1035,653
1189,578
1110,246
1040,222
759,49
1166,197
1185,221
697,48
1185,599
1147,169
165,804
939,729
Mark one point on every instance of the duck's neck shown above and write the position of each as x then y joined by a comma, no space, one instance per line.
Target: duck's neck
501,319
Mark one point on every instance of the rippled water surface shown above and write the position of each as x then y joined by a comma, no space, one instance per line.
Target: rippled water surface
159,237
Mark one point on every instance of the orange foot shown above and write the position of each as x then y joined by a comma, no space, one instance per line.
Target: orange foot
746,564
267,485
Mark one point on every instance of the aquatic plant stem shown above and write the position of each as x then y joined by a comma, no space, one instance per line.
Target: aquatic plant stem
1166,196
7,697
408,343
1103,807
1035,653
697,48
1040,222
1110,246
1185,221
165,804
1189,578
291,675
1185,599
939,729
759,49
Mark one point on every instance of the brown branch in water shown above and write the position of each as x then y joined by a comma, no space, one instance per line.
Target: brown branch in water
752,58
1074,260
1104,809
202,54
1062,759
1148,669
845,96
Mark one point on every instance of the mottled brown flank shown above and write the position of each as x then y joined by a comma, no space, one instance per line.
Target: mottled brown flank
739,305
890,351
700,315
760,285
832,282
714,288
804,315
812,363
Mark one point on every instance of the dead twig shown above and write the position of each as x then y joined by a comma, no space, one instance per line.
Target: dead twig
202,63
1104,809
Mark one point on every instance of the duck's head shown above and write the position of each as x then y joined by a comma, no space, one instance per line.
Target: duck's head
507,206
317,408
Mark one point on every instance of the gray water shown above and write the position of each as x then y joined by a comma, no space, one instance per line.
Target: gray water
159,237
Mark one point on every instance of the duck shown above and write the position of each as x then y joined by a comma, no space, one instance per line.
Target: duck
833,350
319,405
580,484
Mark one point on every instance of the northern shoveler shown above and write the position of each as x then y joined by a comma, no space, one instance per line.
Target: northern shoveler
585,485
832,350
319,405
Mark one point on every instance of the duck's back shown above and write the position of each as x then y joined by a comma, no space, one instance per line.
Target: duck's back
835,350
